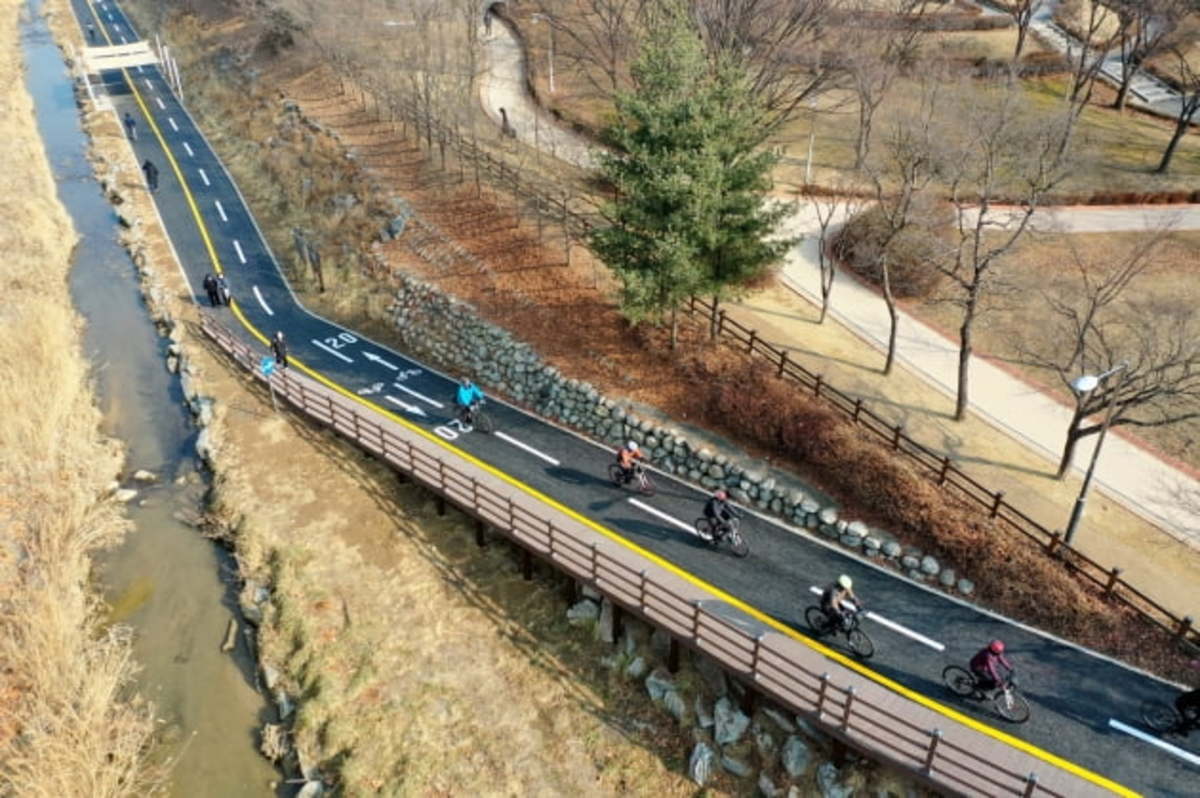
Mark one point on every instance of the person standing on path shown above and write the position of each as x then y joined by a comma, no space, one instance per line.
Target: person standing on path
91,29
151,172
223,289
130,126
279,350
210,288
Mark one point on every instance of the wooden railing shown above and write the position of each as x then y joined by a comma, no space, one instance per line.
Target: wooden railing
948,754
941,470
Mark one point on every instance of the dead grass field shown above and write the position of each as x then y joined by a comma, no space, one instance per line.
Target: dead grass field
68,725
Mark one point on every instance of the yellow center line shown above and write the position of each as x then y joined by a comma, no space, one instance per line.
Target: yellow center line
758,615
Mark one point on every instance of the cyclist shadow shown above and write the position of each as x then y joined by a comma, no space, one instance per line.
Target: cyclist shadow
644,529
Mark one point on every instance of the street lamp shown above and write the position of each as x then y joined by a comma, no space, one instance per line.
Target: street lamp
550,23
1083,387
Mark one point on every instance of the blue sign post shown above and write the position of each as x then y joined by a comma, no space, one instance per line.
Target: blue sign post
267,367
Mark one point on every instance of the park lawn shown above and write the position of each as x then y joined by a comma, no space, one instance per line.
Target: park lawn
1168,64
1075,16
1018,316
978,43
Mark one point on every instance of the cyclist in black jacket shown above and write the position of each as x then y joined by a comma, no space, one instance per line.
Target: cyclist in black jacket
718,510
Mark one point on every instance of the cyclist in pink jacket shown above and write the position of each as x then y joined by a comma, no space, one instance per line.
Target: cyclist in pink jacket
987,663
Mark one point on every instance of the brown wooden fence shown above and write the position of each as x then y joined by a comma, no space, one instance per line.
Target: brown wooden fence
953,756
941,470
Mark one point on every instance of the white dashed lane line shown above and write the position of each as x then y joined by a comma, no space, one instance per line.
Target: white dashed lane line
187,147
332,351
174,126
258,295
895,627
149,85
161,106
420,396
204,177
660,514
221,210
237,246
526,447
1186,756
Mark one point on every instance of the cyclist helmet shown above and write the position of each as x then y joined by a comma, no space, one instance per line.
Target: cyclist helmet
996,646
844,582
279,335
631,446
721,494
465,381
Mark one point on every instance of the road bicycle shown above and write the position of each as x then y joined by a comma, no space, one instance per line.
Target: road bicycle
727,532
475,417
1005,698
822,624
1164,719
636,476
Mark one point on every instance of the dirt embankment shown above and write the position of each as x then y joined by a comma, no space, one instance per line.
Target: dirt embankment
67,723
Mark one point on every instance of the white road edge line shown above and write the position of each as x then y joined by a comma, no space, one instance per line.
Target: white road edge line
221,211
238,247
189,150
331,351
895,627
526,447
659,513
258,295
161,105
424,398
1186,756
204,177
174,126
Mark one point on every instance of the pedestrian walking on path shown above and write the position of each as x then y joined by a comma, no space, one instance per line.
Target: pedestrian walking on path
223,290
130,126
279,350
151,172
91,29
210,288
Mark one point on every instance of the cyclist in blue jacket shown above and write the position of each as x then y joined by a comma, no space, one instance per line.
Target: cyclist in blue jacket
467,397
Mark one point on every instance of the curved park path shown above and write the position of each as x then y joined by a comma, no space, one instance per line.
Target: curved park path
1132,476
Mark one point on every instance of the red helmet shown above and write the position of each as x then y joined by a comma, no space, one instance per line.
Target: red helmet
996,646
721,494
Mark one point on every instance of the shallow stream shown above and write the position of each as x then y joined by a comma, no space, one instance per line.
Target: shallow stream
167,582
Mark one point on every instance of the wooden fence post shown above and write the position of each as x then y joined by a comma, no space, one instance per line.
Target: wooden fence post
996,502
935,737
480,539
753,339
783,359
1113,577
817,386
1052,543
673,655
821,695
1185,624
1030,785
857,409
945,469
720,321
897,432
847,708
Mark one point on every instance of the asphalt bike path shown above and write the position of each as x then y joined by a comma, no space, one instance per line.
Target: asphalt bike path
1074,693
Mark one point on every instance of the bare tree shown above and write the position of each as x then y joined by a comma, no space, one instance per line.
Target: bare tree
839,205
1022,13
600,35
1095,325
1147,28
1003,145
1188,85
1087,55
787,48
874,59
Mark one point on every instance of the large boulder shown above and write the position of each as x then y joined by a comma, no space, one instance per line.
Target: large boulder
795,756
701,763
730,723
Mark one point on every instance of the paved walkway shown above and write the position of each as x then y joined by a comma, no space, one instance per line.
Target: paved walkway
1134,477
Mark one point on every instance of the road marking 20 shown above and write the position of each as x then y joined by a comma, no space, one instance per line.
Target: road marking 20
340,340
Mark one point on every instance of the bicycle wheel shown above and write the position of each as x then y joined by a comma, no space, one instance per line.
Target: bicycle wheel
484,423
1012,706
704,529
817,620
1159,716
860,643
959,680
616,474
645,484
737,543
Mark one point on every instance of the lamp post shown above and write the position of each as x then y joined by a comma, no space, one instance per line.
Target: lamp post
549,23
1083,387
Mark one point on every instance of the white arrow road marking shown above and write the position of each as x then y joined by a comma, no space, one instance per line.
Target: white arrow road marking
659,513
204,177
380,361
1186,756
420,396
526,447
895,627
405,405
333,352
258,295
238,247
189,150
174,126
374,389
221,211
158,100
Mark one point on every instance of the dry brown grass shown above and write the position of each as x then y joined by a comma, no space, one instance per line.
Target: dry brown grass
69,724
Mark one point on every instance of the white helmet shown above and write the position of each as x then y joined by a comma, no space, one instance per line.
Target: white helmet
631,446
844,582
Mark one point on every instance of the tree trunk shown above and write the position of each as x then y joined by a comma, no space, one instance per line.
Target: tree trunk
893,317
712,320
1123,92
1073,436
964,362
674,327
1181,126
1022,32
